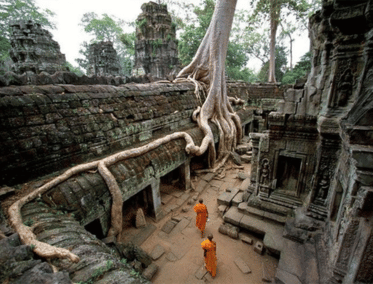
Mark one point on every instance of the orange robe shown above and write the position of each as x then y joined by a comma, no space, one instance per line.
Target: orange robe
202,214
210,258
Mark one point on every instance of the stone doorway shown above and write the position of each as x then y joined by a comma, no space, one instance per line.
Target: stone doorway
288,172
144,200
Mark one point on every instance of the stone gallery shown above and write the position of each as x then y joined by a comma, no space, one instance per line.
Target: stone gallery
94,169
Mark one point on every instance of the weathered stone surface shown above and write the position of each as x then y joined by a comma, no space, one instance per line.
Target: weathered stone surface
226,197
241,264
236,158
246,240
245,159
201,272
180,226
168,226
150,271
230,230
156,48
222,209
237,199
171,257
33,49
166,198
259,247
233,216
157,252
242,175
103,59
140,218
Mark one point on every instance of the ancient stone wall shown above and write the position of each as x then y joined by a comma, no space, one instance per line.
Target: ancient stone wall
33,49
50,127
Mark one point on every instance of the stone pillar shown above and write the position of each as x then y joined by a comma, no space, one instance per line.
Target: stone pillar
156,198
185,174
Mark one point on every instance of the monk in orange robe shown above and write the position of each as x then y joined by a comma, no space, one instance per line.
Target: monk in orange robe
202,215
209,248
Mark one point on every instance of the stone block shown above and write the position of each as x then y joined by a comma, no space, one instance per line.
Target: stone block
201,272
166,198
266,277
168,226
233,216
245,185
246,158
237,199
246,240
176,218
157,252
222,209
180,226
201,185
140,219
259,247
208,177
242,175
150,271
241,264
289,107
171,257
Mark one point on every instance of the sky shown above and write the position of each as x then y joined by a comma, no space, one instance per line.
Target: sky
70,35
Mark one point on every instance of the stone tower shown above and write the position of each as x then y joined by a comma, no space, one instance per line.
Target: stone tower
156,47
33,49
103,59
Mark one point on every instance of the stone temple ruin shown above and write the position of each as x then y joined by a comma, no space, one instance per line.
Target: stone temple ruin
103,59
156,46
33,49
309,192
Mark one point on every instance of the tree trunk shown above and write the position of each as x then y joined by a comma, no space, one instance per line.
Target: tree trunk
208,67
274,13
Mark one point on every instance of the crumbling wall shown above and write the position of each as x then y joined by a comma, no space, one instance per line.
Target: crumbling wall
156,50
33,49
103,59
50,127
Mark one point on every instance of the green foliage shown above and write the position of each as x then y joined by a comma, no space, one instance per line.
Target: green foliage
141,23
280,64
98,273
106,28
74,69
12,10
135,273
301,69
32,246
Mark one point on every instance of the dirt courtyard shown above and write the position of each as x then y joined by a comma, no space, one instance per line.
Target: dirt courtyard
182,260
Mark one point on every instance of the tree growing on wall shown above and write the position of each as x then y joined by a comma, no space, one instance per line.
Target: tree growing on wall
207,71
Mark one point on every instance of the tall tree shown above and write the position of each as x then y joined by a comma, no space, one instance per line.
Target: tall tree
273,11
12,10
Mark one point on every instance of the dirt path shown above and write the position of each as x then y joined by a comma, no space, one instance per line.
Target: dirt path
183,257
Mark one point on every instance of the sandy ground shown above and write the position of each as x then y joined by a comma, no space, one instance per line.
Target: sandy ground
186,245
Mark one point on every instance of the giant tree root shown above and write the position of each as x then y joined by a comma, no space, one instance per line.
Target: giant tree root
47,251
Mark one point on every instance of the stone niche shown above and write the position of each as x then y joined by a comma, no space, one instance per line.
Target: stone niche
103,59
33,49
156,45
